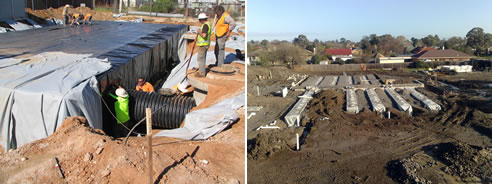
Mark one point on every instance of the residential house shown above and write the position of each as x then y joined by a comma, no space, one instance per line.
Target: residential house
343,54
420,50
397,59
442,55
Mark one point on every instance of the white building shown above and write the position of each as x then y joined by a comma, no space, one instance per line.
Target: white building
399,59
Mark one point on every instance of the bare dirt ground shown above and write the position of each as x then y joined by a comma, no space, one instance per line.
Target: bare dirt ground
89,156
452,146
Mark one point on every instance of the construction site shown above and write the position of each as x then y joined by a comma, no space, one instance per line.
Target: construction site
306,125
58,122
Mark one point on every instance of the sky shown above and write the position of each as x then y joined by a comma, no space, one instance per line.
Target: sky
352,19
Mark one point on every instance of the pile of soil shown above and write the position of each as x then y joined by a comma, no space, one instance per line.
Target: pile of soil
57,13
405,171
331,103
269,142
448,162
465,160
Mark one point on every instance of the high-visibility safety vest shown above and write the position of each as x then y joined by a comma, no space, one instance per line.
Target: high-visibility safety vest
222,28
65,11
204,41
121,108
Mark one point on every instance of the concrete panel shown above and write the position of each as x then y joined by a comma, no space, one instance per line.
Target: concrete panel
293,117
363,79
376,103
344,80
328,81
373,79
312,81
351,100
356,79
429,104
400,102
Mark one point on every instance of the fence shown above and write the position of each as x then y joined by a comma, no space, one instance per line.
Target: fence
44,4
348,67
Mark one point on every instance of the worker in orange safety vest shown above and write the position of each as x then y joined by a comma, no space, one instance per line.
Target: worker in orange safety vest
144,86
224,27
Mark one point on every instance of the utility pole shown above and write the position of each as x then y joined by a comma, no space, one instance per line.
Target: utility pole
121,2
185,8
151,3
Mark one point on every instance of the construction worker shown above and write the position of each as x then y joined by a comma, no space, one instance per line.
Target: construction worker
203,43
144,86
224,27
65,14
76,18
87,19
122,111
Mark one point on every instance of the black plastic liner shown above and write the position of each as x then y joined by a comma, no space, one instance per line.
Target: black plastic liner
133,49
169,111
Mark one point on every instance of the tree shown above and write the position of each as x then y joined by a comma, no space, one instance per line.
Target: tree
430,41
301,41
264,43
456,43
477,39
343,40
315,59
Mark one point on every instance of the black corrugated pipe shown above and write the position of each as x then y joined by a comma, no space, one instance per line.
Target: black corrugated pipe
172,110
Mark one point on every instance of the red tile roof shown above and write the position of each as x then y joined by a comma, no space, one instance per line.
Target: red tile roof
338,51
425,49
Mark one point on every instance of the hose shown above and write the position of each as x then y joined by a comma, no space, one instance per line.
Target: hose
171,111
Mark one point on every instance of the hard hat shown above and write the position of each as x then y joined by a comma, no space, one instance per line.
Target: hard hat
202,16
121,92
67,5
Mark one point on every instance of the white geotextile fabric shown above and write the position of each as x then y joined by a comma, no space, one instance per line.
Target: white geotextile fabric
203,123
178,73
36,95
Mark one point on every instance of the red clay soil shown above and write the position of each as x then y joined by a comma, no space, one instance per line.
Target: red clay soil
221,86
87,155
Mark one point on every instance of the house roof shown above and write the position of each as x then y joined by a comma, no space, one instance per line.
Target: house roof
338,51
420,50
448,53
425,49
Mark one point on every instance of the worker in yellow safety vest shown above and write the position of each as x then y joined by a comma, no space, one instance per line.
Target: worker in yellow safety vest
76,18
203,43
224,27
65,15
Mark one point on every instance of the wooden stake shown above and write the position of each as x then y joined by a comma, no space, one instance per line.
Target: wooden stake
148,113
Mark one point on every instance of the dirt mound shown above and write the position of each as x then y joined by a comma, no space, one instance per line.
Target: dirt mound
269,142
464,160
330,104
448,162
57,13
405,171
